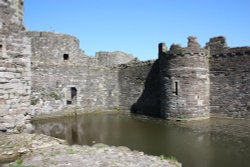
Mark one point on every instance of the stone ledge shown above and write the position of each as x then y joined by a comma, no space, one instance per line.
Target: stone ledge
42,151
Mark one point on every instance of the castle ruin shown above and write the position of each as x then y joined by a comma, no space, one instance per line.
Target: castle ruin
46,72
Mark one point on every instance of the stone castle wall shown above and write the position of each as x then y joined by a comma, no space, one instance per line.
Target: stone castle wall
48,72
56,49
59,65
185,83
11,16
111,59
142,87
15,71
229,80
139,87
15,82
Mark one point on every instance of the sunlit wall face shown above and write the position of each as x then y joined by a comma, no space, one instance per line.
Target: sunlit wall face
11,14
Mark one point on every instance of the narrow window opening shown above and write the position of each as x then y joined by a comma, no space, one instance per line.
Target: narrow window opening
176,88
66,57
1,50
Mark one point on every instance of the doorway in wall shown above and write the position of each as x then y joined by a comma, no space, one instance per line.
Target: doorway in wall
72,95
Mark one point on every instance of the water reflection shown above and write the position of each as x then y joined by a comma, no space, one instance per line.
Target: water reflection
209,143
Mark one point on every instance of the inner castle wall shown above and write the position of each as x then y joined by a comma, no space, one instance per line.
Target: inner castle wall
63,76
103,84
139,87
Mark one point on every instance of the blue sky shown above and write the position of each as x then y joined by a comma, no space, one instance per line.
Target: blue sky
137,26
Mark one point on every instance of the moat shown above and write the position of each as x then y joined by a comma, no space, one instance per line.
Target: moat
208,143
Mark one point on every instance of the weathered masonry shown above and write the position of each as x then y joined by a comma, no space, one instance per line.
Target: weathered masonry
46,72
184,76
15,71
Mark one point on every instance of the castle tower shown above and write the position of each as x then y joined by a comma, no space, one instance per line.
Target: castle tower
11,15
184,76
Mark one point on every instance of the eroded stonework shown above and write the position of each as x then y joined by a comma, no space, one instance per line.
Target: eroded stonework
15,81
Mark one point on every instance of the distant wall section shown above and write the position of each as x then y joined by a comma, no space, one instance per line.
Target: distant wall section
64,77
230,78
111,59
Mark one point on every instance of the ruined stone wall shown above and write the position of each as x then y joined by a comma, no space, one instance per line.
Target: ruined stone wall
96,88
184,83
216,45
139,87
11,16
111,59
230,78
60,68
56,49
15,54
101,91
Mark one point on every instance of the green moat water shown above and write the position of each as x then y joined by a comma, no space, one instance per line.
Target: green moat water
207,143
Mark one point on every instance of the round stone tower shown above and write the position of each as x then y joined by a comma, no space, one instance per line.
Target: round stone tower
184,74
11,15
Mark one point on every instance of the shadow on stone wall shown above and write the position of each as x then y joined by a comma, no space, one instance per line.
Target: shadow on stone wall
149,101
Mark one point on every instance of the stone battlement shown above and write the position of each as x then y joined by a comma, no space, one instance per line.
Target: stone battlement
46,34
238,51
187,52
193,49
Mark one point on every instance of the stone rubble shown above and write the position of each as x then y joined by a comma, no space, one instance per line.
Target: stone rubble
43,151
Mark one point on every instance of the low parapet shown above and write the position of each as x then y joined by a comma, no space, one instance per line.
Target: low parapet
46,34
231,52
188,52
110,59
